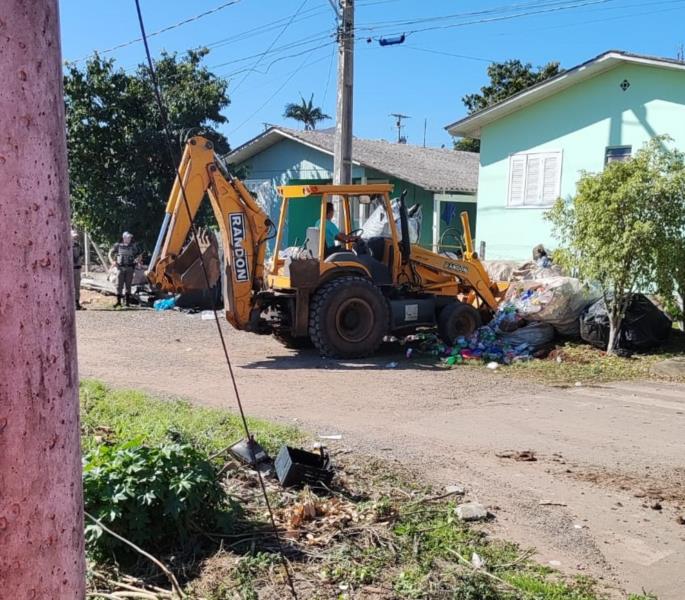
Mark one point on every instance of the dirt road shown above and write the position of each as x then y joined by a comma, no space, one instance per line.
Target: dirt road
607,457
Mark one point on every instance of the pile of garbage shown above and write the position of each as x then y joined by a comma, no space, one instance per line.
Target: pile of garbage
540,305
505,340
534,313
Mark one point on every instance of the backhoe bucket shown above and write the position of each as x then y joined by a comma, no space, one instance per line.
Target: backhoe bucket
186,272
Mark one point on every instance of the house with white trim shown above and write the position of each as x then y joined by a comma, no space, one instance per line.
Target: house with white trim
535,144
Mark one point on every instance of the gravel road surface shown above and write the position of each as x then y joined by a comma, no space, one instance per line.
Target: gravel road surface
603,497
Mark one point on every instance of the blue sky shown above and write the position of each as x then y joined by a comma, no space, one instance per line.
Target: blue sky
445,55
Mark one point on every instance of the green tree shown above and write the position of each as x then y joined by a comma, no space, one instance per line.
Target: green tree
670,255
622,225
305,112
506,79
119,168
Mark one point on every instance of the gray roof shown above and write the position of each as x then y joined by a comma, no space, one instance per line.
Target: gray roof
433,169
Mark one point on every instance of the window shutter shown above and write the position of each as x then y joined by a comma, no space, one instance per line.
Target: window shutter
551,177
533,184
517,180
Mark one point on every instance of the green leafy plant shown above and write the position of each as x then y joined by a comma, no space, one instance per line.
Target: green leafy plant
624,228
159,496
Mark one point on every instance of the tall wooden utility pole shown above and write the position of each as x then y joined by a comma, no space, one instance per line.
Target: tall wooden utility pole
342,150
41,504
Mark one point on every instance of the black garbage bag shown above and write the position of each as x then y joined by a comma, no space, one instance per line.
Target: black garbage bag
643,327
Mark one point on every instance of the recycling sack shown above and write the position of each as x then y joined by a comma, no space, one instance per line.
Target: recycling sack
644,325
558,301
377,224
536,335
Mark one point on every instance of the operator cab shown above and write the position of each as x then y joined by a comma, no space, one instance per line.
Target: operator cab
351,247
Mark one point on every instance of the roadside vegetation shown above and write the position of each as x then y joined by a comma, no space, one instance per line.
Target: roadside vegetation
157,474
576,362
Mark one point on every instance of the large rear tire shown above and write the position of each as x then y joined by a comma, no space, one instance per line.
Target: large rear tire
456,320
348,318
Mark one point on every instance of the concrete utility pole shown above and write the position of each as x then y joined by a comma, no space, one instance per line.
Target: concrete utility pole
342,151
41,504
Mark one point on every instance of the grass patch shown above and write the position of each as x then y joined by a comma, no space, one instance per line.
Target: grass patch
579,362
377,534
125,415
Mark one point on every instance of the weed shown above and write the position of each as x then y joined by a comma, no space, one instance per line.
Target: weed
578,362
156,495
126,415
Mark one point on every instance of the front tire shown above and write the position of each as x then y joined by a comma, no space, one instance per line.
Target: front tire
456,320
349,317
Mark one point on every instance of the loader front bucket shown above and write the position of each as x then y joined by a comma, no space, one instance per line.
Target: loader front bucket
185,272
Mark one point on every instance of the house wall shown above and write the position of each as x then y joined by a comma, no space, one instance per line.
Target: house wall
289,162
581,122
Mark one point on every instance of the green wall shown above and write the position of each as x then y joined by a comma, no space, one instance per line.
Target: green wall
581,121
415,195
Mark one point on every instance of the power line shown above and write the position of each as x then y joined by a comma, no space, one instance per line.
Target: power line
264,28
270,98
273,43
328,79
615,17
496,10
547,9
174,163
273,62
464,56
163,30
277,50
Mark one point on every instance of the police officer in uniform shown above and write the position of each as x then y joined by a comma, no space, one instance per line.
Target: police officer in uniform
77,253
125,254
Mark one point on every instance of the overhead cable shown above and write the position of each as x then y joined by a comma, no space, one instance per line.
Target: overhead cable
273,43
163,30
193,229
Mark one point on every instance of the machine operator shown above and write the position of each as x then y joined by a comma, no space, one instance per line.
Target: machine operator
333,234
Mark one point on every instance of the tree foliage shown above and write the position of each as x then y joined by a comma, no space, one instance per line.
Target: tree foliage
624,227
305,112
506,79
119,167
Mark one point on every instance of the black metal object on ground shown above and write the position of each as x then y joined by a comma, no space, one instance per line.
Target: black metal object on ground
249,452
297,467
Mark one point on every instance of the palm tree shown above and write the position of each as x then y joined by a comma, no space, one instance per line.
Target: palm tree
305,112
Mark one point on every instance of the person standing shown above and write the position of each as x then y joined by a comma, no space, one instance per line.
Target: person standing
77,253
124,254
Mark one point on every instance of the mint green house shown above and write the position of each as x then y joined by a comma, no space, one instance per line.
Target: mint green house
535,144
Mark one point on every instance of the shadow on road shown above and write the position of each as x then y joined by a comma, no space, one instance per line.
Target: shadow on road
390,357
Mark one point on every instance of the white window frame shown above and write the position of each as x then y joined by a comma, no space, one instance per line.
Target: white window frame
527,156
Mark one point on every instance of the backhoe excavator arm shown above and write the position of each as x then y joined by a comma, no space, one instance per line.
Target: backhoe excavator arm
180,267
468,269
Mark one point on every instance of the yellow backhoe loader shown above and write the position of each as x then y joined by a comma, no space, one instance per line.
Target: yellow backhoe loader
344,300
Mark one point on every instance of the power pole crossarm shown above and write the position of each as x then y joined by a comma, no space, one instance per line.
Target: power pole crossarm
41,504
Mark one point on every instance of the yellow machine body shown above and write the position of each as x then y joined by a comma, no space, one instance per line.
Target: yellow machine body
338,300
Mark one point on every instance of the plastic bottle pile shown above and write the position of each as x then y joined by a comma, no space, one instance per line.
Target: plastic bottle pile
485,345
